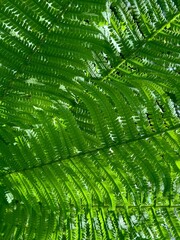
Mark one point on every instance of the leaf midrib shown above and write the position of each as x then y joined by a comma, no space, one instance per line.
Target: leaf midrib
94,150
141,45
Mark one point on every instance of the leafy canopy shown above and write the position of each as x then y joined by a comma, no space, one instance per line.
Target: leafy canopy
90,119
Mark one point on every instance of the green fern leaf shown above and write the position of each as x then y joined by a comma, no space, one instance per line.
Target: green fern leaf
90,119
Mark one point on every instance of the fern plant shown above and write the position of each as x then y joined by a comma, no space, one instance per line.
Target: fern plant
89,112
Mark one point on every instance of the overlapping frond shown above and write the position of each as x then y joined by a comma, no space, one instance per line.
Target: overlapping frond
90,127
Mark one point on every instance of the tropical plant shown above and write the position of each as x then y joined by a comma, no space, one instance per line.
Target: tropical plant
90,119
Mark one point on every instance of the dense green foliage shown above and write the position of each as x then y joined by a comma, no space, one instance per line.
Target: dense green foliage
90,119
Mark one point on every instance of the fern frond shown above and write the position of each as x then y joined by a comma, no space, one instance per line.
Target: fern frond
90,127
